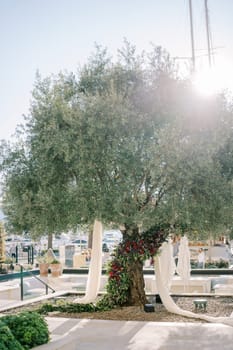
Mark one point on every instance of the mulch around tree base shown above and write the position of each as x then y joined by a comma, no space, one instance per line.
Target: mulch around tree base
216,306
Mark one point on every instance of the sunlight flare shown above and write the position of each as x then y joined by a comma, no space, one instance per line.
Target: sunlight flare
214,80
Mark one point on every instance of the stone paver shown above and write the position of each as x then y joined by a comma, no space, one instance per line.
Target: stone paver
83,334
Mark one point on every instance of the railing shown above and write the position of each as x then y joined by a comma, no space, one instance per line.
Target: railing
47,287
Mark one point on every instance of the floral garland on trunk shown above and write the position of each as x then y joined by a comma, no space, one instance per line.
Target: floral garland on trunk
127,253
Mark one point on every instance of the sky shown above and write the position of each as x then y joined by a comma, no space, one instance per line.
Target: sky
50,36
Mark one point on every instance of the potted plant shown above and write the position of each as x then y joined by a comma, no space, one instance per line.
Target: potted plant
55,268
43,265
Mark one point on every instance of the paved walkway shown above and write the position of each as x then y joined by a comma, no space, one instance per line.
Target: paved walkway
83,334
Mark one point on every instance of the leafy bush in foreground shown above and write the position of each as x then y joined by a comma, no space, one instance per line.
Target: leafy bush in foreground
7,339
28,328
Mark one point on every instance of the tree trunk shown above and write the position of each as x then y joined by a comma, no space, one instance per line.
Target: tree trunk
90,237
137,294
50,240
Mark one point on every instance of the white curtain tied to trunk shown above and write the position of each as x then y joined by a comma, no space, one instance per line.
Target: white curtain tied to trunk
168,263
168,302
183,266
95,268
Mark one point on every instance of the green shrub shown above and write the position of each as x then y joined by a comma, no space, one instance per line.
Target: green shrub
7,340
107,302
29,328
67,307
212,264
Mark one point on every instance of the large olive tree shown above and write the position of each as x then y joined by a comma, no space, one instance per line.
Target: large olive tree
125,142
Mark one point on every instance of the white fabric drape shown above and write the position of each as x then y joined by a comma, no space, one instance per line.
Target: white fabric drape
168,263
95,268
171,306
183,266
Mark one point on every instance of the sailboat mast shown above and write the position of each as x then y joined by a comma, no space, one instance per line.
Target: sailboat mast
192,37
208,33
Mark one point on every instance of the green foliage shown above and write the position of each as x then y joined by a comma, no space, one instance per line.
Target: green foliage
231,235
55,261
29,328
126,142
69,307
118,282
100,146
220,264
7,339
225,157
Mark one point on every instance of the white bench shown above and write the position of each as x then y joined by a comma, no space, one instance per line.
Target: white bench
223,289
194,285
9,291
223,285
